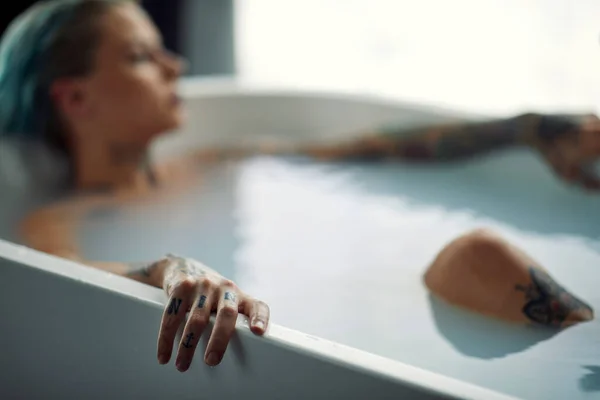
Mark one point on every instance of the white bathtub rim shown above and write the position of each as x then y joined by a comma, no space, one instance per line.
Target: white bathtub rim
326,350
191,88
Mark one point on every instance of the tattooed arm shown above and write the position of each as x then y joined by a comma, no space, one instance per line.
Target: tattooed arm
461,140
455,141
189,285
440,142
158,273
568,143
52,229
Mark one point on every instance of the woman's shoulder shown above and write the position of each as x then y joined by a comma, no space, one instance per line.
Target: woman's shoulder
29,165
30,177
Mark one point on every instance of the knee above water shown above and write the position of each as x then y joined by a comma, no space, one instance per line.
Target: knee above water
483,272
474,252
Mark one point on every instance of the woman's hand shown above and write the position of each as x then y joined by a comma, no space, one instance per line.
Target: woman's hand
194,288
570,145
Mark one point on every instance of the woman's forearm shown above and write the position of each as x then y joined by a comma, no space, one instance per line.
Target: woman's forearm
464,140
151,273
439,142
430,143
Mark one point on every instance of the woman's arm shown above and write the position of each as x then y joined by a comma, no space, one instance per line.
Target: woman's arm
568,143
189,285
52,230
463,140
432,143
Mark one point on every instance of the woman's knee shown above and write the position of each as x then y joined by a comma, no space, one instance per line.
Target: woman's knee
483,272
482,241
474,252
476,270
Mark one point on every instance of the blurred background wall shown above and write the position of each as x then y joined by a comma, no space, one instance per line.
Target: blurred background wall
495,56
202,30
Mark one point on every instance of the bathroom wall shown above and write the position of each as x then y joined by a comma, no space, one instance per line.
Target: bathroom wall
492,56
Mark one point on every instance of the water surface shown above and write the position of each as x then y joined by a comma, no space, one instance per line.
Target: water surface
338,250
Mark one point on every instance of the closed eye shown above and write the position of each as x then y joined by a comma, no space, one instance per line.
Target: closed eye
141,56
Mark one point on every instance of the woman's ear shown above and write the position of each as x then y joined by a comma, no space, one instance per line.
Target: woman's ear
70,98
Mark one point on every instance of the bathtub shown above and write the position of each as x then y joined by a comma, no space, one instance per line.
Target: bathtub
336,250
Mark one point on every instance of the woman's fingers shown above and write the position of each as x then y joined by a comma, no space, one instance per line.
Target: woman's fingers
227,312
201,291
173,315
259,315
196,324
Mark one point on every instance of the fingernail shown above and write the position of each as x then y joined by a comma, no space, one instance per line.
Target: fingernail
181,365
213,358
260,325
162,359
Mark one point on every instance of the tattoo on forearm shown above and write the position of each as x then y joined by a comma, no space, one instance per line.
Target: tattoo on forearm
202,301
470,140
141,268
447,142
174,306
553,127
547,302
466,140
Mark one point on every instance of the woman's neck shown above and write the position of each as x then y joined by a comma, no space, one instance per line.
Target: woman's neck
113,167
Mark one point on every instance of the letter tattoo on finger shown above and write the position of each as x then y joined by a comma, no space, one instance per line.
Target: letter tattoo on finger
174,306
202,301
229,296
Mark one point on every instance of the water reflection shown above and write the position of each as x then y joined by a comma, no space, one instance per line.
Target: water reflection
477,336
514,187
590,382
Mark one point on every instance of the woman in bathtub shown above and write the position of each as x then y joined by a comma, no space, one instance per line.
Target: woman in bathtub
91,80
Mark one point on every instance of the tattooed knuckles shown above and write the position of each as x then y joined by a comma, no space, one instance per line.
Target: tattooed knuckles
203,284
185,286
229,291
228,285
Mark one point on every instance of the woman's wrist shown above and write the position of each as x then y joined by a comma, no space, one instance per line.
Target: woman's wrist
151,273
163,271
527,129
546,129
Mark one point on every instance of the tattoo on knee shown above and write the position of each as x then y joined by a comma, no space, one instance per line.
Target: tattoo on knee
548,303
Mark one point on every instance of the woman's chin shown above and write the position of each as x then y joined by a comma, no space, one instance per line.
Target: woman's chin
173,123
178,118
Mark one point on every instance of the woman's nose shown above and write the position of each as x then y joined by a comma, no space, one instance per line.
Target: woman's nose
174,64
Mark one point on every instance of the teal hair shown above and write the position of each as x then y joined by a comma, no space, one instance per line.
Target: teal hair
51,40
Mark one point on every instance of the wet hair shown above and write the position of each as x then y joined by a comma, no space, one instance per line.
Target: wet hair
53,39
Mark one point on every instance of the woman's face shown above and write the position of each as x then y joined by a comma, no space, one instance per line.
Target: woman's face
131,93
